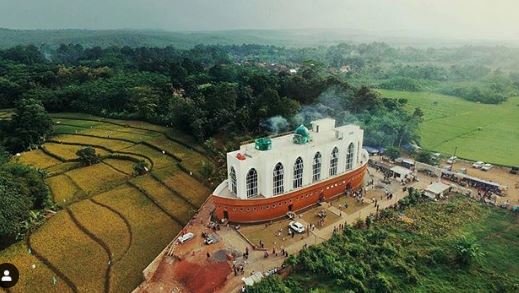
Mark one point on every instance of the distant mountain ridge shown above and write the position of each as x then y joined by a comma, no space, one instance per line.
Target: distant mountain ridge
185,39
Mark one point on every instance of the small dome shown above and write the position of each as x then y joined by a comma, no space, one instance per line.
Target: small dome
302,130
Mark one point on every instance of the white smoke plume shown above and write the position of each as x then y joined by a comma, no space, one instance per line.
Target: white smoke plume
275,125
329,104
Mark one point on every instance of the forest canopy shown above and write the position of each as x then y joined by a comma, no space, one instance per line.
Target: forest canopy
206,90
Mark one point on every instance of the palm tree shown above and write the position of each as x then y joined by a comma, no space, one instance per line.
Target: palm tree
468,251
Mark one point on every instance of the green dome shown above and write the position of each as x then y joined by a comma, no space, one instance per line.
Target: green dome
302,130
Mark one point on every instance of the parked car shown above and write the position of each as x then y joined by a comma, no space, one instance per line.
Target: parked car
296,226
452,160
478,164
486,167
209,240
186,237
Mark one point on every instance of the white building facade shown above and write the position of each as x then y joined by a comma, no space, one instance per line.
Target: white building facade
328,151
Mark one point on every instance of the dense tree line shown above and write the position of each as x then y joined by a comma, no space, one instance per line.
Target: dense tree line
205,90
480,74
23,194
473,83
28,127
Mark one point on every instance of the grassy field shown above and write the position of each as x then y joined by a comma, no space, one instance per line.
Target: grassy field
112,223
416,252
483,132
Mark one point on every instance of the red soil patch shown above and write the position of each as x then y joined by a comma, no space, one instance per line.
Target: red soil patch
202,278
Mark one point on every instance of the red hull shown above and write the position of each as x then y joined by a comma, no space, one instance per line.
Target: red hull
266,209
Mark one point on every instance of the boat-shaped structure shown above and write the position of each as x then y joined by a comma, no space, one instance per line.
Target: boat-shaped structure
272,176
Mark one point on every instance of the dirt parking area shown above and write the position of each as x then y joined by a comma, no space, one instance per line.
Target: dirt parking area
312,217
499,175
350,205
276,234
273,234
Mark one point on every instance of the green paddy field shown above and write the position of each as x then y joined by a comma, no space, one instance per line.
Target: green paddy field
483,132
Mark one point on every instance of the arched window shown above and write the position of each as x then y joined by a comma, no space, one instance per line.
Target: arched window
349,156
316,167
277,178
252,183
334,159
232,175
298,173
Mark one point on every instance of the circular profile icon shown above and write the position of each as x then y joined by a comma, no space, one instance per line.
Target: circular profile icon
8,275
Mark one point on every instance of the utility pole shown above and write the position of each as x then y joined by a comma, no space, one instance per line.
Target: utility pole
454,159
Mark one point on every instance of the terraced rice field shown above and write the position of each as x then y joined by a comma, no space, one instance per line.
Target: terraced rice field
191,160
123,166
152,230
159,159
108,143
97,178
68,152
112,223
479,132
92,216
62,168
64,190
38,158
183,184
32,271
75,254
175,205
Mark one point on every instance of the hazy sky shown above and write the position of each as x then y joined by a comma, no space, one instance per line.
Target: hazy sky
495,19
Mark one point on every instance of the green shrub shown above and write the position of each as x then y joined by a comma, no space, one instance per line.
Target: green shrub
87,156
382,283
269,284
467,251
140,168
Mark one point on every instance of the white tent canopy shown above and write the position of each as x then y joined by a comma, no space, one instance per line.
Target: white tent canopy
401,171
436,189
254,278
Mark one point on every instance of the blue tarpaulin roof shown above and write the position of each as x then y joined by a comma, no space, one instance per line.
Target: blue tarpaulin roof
373,150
